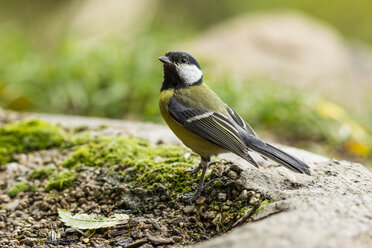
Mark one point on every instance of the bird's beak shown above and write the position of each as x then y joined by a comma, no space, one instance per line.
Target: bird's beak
165,60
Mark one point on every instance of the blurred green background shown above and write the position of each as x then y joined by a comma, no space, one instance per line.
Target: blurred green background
99,58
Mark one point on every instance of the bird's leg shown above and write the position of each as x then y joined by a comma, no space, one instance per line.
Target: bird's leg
199,167
205,162
193,171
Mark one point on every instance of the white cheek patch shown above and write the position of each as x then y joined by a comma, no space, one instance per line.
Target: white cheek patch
189,73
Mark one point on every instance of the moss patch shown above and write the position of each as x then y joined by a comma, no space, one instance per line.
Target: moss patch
18,188
138,161
105,151
60,180
263,204
26,136
42,173
52,178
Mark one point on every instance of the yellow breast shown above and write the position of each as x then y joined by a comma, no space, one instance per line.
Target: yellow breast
195,142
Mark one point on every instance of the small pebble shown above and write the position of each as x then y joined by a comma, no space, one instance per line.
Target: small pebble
188,209
43,222
225,207
243,195
137,234
82,200
160,241
30,219
200,200
147,246
239,184
210,215
176,238
176,221
155,224
64,203
14,241
11,206
221,196
4,198
253,200
217,220
137,243
29,241
124,242
233,175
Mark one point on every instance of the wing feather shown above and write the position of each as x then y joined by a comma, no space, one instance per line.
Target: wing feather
239,120
212,126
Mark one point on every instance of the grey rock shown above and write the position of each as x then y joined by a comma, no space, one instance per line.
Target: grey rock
153,132
331,208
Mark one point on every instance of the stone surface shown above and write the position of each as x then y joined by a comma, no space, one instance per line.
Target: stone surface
331,208
155,133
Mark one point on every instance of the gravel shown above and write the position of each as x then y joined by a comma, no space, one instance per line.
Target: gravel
30,219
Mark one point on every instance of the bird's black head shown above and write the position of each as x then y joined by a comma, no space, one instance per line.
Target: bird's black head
181,70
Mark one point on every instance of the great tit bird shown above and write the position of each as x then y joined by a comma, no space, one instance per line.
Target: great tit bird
204,123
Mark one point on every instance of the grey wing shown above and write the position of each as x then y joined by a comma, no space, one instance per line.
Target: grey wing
212,126
239,120
242,123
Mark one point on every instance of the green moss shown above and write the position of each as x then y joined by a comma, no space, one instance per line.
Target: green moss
42,173
18,188
81,138
243,211
263,204
27,136
152,166
105,151
60,180
165,165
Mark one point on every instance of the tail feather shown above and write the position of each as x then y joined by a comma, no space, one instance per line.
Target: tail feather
277,155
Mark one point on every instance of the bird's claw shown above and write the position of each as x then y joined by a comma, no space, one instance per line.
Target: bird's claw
192,171
199,167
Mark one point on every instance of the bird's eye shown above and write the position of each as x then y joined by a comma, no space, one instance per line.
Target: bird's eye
183,60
